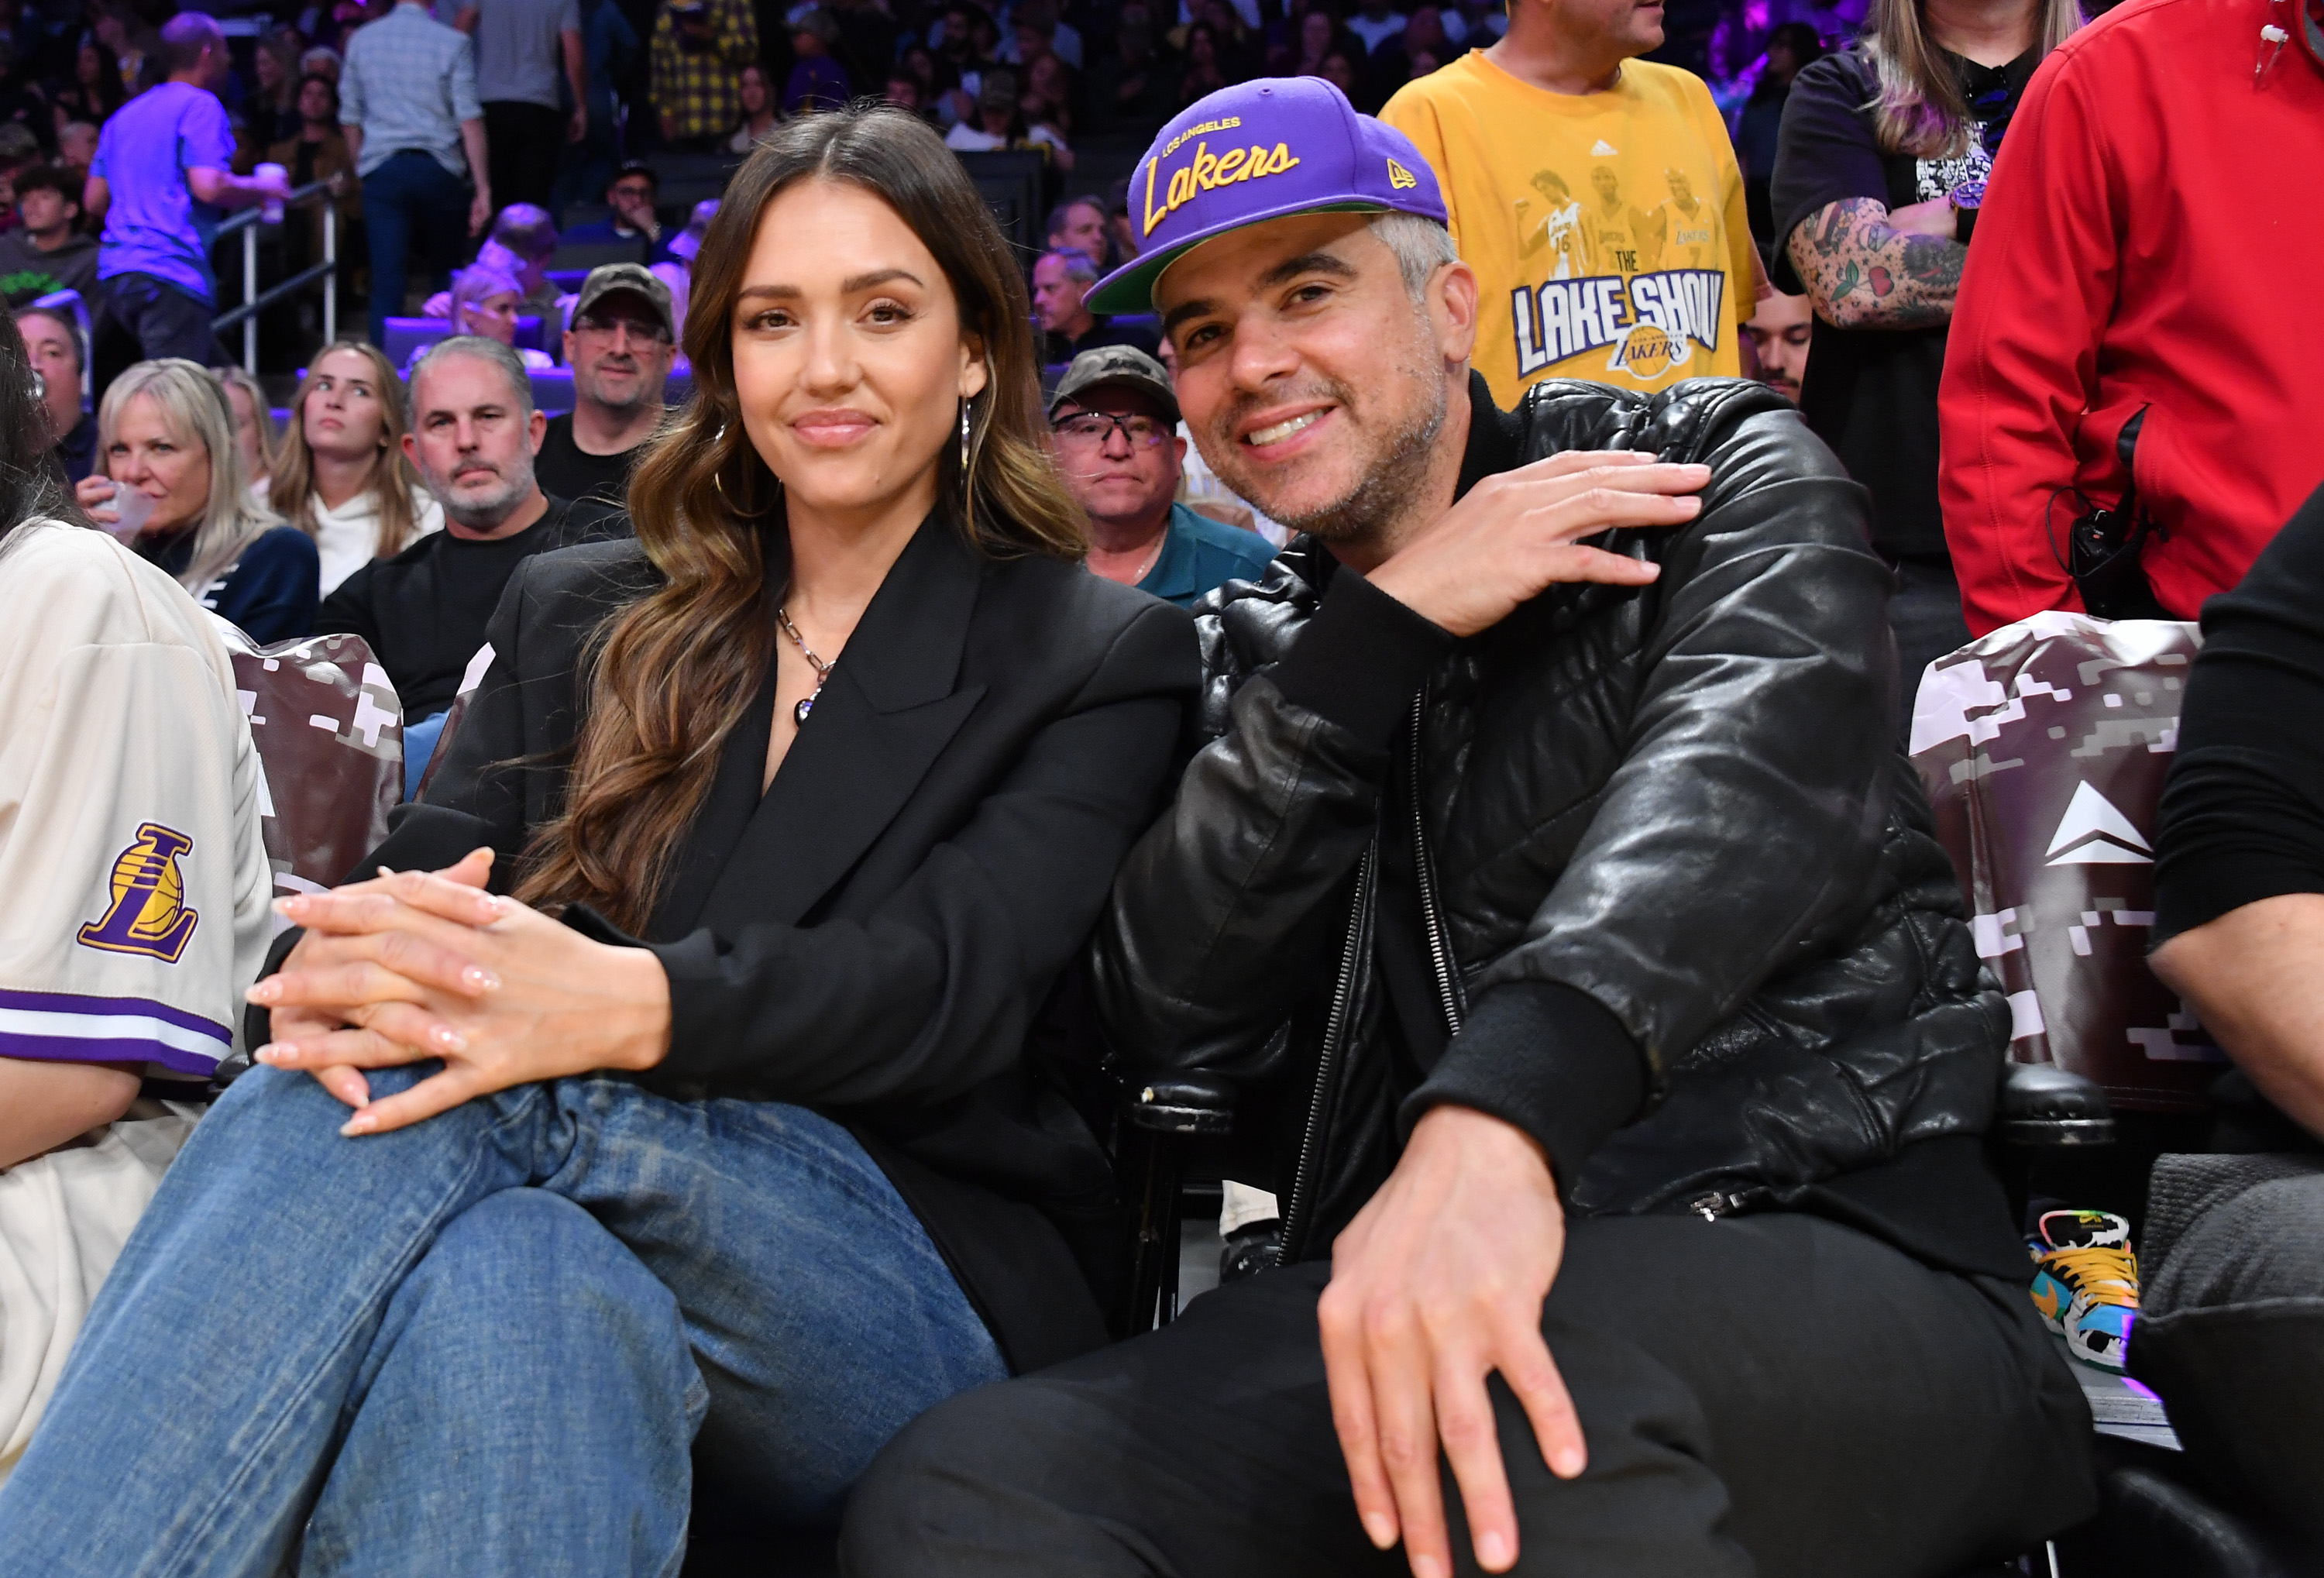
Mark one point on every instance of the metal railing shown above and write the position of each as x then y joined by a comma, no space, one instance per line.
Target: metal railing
253,302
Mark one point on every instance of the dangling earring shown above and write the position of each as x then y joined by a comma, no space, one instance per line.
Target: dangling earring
963,440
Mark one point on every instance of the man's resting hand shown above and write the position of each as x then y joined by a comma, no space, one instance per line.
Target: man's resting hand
1517,533
1437,1283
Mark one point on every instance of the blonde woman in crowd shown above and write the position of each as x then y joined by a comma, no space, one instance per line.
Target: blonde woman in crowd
169,482
486,301
133,896
254,432
343,478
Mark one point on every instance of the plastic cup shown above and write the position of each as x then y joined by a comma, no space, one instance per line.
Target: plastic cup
272,210
135,508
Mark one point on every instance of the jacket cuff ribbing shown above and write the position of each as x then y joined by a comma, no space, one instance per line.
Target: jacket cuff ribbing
1361,659
1549,1058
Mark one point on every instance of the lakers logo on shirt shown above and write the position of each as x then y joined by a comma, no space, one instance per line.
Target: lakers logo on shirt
148,914
1647,352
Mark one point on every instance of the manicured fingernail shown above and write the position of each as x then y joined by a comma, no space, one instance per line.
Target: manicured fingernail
1492,1551
296,904
1429,1567
361,1123
264,991
270,1053
1566,1464
478,979
386,872
450,1039
1380,1529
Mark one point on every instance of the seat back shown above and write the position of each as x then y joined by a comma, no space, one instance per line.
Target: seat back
329,734
2043,747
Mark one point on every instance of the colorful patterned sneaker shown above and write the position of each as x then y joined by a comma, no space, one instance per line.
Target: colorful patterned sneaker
2085,1282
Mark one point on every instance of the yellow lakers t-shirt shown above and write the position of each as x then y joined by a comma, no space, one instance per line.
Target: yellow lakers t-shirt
1606,229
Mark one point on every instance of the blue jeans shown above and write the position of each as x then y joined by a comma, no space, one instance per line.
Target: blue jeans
482,1344
410,200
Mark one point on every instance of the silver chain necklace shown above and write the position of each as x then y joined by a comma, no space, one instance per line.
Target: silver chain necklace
822,670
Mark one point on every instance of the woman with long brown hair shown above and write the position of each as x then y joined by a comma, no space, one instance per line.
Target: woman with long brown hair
719,1077
340,475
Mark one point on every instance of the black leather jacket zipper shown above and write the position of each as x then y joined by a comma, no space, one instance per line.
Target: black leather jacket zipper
1335,1028
1448,994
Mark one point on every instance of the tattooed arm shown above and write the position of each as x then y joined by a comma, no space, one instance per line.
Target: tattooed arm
1868,268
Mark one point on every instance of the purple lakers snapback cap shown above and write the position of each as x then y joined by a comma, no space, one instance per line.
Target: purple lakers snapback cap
1259,151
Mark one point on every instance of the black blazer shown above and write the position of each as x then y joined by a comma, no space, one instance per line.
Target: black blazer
885,935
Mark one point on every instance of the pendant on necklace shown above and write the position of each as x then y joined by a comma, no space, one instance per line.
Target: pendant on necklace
799,713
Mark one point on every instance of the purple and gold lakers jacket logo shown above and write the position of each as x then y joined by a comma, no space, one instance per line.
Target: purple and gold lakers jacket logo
148,914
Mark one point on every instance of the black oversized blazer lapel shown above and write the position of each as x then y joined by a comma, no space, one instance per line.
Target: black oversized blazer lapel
892,704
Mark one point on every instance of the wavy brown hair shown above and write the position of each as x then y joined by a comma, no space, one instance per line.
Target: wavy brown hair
290,488
673,674
1920,110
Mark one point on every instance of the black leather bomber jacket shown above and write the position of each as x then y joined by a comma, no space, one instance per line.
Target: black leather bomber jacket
1694,933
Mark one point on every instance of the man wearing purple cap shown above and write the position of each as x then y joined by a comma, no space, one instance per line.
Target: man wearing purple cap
1575,948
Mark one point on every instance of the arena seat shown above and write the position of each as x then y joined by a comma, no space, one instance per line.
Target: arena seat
408,335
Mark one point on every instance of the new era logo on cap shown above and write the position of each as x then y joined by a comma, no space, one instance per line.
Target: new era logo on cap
1256,152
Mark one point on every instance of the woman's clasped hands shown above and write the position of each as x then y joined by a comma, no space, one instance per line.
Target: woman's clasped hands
413,965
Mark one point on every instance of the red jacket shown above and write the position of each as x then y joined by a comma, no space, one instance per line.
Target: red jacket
2152,236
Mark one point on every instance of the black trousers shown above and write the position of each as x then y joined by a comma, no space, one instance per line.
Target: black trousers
1778,1394
522,143
1925,613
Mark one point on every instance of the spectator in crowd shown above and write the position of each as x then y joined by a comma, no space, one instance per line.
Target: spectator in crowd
136,47
47,251
254,435
1316,34
485,303
59,355
1080,224
2228,1321
19,151
1121,223
1596,195
2122,313
1001,121
632,196
527,51
76,145
423,609
1036,29
620,347
1792,47
344,479
320,152
1376,22
322,61
1778,337
1339,69
964,41
934,83
168,482
161,182
902,90
1207,71
1132,88
860,954
272,107
1419,50
1116,423
608,45
408,108
760,113
698,48
816,80
1061,287
127,752
1049,81
1884,153
95,92
1604,850
523,240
